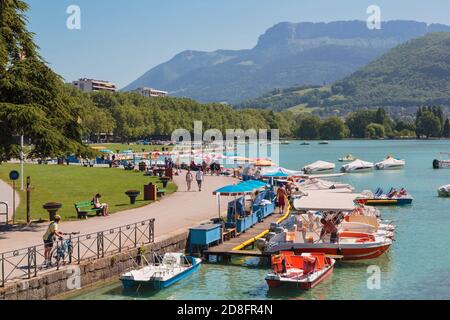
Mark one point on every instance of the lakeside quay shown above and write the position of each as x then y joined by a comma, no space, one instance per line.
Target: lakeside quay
178,211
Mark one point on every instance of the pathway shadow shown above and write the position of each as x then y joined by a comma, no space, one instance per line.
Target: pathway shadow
19,228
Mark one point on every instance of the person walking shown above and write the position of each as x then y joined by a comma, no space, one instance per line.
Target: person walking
199,177
281,197
189,179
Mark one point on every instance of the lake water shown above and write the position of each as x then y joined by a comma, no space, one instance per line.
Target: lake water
416,267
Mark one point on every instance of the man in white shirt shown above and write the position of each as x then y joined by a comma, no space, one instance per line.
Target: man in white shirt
199,178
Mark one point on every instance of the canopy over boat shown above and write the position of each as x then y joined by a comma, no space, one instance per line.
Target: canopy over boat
335,200
242,188
357,164
280,172
319,166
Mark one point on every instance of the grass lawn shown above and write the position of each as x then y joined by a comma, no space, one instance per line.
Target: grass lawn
135,147
70,184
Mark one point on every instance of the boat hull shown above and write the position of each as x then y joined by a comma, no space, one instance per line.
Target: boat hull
274,281
348,252
358,170
386,202
156,284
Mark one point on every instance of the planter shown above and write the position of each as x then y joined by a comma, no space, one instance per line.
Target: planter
133,195
165,181
52,208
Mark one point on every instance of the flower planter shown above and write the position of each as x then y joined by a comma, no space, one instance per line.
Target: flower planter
132,194
52,208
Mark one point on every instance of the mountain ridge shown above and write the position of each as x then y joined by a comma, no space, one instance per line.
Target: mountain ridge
287,54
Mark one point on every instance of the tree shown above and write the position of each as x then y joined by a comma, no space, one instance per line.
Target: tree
375,131
358,121
446,130
333,128
428,125
34,102
309,127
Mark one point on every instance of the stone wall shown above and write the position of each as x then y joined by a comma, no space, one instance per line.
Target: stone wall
70,278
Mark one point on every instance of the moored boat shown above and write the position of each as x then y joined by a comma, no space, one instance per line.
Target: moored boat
172,268
444,191
390,163
347,158
319,167
442,163
392,198
357,166
303,271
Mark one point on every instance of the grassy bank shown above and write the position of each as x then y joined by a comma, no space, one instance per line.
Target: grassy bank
70,184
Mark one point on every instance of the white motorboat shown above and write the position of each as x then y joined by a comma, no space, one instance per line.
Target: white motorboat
173,267
347,158
319,167
442,163
444,191
358,166
390,163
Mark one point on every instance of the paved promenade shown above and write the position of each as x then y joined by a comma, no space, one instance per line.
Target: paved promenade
6,195
180,210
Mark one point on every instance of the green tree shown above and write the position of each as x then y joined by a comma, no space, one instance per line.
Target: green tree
446,130
428,125
375,131
34,101
333,128
358,121
308,127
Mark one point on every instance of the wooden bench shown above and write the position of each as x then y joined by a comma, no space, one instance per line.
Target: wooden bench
227,234
84,207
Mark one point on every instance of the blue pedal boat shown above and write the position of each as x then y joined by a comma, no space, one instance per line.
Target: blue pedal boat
173,268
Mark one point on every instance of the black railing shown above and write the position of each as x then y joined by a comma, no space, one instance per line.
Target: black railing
28,262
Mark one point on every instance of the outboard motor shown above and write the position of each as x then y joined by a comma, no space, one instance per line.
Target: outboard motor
261,244
435,164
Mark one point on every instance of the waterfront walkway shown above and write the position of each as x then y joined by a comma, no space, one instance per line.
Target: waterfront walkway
6,195
180,210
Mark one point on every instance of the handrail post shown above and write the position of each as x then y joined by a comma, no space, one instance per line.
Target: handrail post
71,249
135,235
35,261
99,244
78,244
120,239
3,270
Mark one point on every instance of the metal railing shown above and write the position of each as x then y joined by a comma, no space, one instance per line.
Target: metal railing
6,213
26,263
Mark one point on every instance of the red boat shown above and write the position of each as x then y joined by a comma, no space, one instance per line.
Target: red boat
303,271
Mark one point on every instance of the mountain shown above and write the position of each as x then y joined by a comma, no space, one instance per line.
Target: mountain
413,74
286,55
410,75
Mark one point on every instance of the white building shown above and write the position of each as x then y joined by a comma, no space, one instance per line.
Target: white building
89,85
150,92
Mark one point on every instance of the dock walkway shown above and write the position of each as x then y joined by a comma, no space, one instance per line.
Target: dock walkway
235,246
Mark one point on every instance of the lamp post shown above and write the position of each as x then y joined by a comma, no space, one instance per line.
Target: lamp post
21,162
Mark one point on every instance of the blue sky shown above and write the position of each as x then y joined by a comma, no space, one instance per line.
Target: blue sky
119,40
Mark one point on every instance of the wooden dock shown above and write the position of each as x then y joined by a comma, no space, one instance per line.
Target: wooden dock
235,246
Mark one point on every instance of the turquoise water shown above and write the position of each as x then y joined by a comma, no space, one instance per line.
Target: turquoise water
416,267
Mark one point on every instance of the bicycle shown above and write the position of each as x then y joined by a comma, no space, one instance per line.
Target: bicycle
62,253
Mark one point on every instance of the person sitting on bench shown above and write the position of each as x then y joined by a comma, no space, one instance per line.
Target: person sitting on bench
98,205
